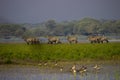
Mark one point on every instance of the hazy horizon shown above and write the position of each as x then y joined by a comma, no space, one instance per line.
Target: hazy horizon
36,11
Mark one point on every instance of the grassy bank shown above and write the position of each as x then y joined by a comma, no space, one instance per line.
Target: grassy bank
61,52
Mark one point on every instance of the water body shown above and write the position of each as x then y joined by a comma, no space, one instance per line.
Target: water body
45,40
28,72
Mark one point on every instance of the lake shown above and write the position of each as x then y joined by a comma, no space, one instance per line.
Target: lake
36,72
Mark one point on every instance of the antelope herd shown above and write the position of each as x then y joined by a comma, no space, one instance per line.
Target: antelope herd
98,39
31,40
70,39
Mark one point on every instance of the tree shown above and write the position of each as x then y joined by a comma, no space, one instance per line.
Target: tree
11,30
51,24
87,26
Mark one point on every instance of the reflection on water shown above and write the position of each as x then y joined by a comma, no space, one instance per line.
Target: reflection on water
17,72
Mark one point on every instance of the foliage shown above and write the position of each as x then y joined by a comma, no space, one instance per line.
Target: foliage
11,30
111,27
88,26
85,26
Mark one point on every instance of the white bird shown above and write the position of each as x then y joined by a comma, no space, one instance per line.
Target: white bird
97,67
73,69
83,69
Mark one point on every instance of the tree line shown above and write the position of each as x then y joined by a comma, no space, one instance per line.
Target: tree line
85,26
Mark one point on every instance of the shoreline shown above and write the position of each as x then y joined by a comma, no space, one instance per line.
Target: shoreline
87,62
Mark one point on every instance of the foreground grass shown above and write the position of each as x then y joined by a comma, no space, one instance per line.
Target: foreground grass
60,52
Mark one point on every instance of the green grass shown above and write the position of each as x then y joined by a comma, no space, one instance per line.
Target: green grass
61,52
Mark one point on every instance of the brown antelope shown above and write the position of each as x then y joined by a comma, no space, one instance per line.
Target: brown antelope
93,39
53,40
72,39
28,40
104,39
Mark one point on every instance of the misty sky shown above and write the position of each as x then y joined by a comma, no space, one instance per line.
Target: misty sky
35,11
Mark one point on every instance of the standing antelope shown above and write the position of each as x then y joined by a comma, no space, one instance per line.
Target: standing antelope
93,39
53,40
72,39
103,38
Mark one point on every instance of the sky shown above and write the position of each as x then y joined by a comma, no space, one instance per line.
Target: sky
36,11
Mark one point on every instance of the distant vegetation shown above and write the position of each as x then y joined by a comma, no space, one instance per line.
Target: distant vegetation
7,30
85,26
18,52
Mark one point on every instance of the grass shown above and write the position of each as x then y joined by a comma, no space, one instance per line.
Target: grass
60,52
